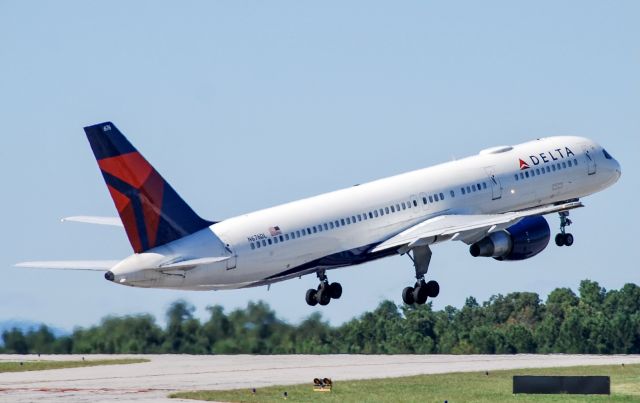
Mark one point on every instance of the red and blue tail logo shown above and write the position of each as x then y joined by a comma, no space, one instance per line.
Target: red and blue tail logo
152,212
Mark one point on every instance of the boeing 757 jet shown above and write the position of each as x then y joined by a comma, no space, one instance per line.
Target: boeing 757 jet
494,202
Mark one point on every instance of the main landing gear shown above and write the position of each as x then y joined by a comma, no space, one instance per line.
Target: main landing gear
564,238
422,289
325,292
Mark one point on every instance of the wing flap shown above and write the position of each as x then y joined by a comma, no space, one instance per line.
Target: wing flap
91,265
468,228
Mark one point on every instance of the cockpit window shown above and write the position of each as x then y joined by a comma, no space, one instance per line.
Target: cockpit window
606,154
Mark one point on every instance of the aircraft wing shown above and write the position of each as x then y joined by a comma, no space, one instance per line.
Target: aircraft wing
92,265
114,221
468,228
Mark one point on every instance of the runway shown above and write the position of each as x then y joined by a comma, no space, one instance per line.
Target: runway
154,380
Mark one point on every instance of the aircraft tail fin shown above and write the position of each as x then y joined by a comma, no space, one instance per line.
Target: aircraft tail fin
152,212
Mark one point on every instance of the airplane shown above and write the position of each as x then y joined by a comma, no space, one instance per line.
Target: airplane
493,201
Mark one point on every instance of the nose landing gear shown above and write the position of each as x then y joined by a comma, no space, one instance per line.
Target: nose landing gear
564,238
325,291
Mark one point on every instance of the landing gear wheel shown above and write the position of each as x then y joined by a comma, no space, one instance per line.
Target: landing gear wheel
560,239
568,239
323,296
420,294
433,289
335,290
310,297
407,295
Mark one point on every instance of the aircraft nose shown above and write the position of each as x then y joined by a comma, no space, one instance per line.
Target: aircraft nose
109,276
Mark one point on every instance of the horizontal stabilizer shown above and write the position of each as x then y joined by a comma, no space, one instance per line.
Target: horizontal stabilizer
92,265
193,262
114,221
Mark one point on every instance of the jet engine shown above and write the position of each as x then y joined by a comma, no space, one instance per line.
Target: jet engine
521,241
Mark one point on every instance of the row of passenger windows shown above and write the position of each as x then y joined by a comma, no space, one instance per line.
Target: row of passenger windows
476,187
394,208
547,169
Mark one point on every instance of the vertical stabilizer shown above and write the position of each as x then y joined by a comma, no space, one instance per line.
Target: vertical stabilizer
152,212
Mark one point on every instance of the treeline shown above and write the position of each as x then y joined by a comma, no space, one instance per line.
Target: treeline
593,321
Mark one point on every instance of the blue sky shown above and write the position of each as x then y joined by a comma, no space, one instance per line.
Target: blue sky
245,104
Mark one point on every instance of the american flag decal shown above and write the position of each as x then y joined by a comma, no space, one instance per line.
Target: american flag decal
275,231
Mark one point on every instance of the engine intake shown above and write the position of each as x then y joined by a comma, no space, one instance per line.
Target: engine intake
521,241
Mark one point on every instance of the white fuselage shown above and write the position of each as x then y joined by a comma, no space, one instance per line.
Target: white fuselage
340,228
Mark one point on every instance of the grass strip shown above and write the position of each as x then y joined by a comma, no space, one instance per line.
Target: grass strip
21,366
454,387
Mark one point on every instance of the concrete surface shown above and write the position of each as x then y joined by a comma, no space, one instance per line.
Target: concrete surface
154,380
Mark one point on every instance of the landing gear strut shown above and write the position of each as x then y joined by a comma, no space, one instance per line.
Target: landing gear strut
564,238
325,291
422,289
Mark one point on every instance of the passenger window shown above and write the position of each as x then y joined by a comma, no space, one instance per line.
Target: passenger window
370,214
431,199
526,174
331,224
359,218
441,196
537,171
484,185
342,221
553,168
286,236
314,229
424,200
462,190
308,231
452,193
516,176
252,246
269,241
375,213
569,163
326,227
564,165
521,175
548,169
393,210
479,187
473,187
404,206
397,207
558,165
275,240
415,203
533,173
258,244
353,219
281,238
348,220
468,189
575,162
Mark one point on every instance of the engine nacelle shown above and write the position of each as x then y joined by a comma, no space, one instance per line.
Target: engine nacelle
521,241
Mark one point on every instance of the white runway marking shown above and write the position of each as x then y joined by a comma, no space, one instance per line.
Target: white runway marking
153,381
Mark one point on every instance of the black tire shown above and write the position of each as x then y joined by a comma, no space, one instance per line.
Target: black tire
335,290
420,294
310,297
407,295
560,239
568,239
433,289
323,296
